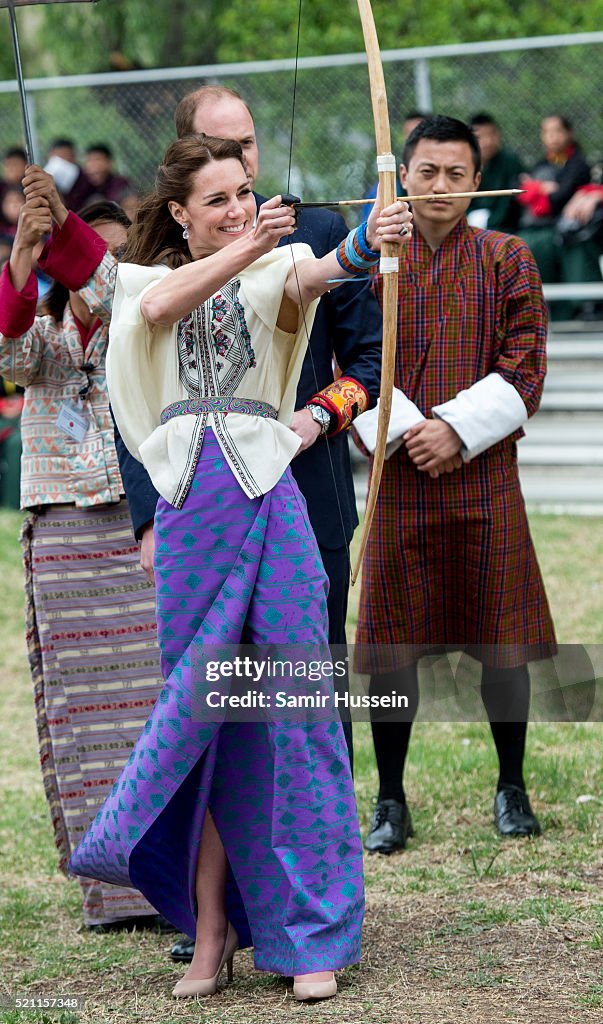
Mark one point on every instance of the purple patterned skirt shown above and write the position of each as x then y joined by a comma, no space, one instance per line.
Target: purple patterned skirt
232,570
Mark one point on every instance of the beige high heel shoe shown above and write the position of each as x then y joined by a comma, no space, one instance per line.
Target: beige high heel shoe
303,990
209,986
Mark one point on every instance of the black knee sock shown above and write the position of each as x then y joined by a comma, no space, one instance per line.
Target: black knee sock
506,697
391,738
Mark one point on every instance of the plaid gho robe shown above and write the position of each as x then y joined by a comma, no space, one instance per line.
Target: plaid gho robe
450,562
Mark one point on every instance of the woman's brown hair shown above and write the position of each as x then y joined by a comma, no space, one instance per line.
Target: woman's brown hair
155,237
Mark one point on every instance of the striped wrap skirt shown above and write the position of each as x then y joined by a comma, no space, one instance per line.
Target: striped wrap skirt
94,659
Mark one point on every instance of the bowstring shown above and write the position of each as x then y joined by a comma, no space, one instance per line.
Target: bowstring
325,439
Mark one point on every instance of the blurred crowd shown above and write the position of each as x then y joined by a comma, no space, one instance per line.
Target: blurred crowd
93,179
559,214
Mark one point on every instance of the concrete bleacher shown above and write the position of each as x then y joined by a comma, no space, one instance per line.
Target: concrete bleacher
561,456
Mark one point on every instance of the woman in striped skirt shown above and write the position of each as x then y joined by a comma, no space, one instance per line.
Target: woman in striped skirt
91,631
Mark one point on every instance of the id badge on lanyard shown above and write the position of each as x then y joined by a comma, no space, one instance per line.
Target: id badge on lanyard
73,420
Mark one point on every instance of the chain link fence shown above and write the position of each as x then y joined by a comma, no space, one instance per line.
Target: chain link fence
330,152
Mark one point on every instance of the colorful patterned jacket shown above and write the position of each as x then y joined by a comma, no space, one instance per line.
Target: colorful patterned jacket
48,359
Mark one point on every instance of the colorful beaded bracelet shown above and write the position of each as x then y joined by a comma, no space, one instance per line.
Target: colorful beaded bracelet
353,253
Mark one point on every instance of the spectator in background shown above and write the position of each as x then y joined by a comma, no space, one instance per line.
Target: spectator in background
501,168
549,187
64,149
10,207
580,232
69,177
98,168
412,119
15,162
584,214
584,204
11,204
13,167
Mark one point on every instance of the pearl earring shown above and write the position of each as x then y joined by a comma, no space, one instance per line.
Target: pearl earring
185,234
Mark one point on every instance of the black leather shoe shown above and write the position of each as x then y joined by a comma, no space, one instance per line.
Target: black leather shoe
390,828
183,950
162,925
513,815
144,922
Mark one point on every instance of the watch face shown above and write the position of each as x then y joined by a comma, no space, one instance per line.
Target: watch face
320,415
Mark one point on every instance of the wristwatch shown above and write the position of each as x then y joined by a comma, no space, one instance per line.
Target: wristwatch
320,416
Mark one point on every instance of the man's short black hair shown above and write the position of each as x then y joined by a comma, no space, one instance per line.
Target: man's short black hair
483,118
17,152
63,143
443,129
100,147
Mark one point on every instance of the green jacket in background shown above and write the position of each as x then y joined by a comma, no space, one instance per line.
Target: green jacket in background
502,171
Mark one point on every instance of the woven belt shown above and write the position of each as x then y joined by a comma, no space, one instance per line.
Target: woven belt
219,403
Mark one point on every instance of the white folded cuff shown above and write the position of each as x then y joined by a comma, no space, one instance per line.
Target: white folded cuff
404,415
485,413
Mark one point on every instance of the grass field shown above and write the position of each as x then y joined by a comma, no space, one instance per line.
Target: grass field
461,928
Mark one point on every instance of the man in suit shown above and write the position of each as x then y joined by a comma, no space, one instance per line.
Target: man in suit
347,331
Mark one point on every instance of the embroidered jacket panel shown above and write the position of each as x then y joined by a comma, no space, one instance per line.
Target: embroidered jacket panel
229,346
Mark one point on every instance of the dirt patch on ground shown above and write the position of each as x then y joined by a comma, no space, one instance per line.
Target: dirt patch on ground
426,961
458,971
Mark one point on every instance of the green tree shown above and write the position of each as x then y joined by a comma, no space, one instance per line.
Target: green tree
268,28
130,34
155,33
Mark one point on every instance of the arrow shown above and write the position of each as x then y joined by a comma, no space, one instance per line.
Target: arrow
430,197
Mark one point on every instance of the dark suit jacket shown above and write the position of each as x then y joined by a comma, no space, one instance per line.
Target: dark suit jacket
347,327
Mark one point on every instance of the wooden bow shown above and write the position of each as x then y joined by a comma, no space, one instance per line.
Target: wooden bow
386,164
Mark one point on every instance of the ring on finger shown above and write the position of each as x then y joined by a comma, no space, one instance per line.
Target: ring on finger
403,230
